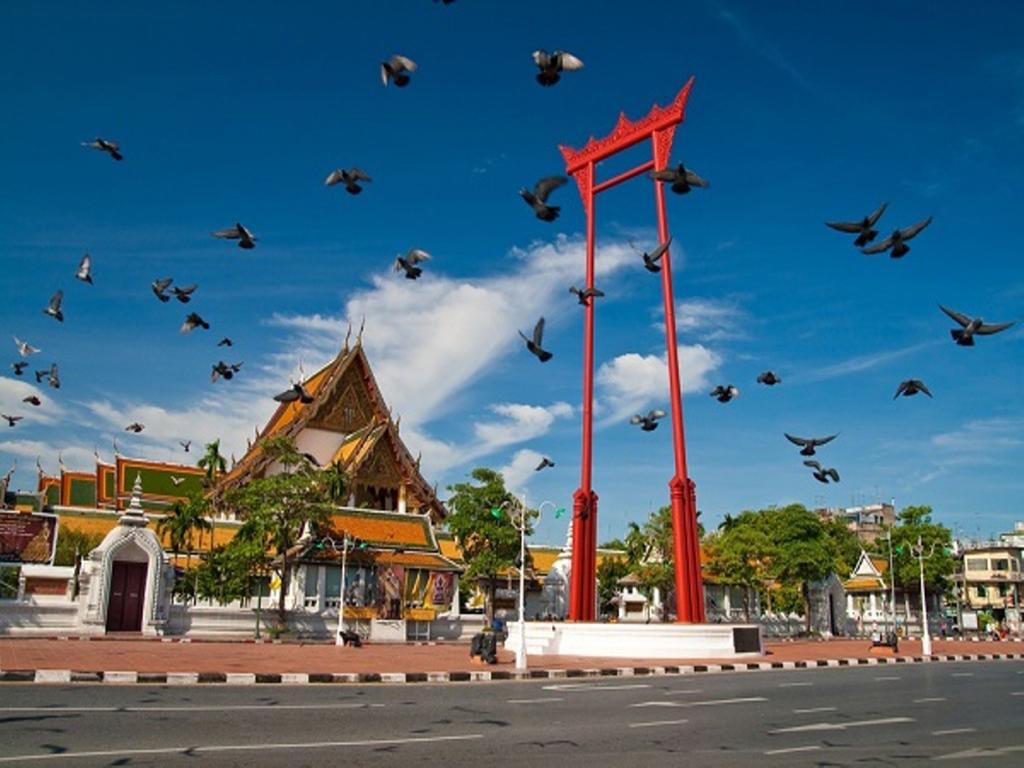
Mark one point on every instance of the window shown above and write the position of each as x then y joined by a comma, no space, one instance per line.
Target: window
1003,590
977,564
310,596
1001,564
980,591
332,587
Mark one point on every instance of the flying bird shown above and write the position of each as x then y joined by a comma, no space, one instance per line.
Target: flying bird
226,370
135,427
176,481
397,68
193,321
681,178
19,367
350,177
537,199
24,348
864,229
32,400
535,344
184,293
911,387
84,272
725,393
651,259
897,241
225,342
808,444
551,65
53,308
51,376
584,296
822,474
408,263
11,420
971,327
245,238
544,463
295,392
103,145
159,286
186,444
648,423
769,378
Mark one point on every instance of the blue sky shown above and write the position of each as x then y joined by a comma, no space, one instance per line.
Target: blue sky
799,114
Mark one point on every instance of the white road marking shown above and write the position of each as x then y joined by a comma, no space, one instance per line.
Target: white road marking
808,748
657,704
594,687
655,723
843,726
192,749
684,691
714,702
951,731
795,685
981,752
813,709
963,674
888,677
1017,693
535,701
929,699
191,708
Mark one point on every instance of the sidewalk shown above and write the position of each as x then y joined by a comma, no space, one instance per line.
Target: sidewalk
67,660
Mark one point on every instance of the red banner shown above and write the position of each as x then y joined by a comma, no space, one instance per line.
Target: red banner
27,538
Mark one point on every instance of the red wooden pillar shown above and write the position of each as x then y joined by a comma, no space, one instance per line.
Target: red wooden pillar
659,126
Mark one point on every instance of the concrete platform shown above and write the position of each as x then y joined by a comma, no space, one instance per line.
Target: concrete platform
625,640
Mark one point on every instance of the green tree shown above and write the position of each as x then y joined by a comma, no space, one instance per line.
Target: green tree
609,572
489,540
846,547
186,518
743,555
213,463
804,550
914,524
72,543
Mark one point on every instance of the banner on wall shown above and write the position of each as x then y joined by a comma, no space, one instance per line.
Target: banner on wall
390,587
360,587
440,593
27,538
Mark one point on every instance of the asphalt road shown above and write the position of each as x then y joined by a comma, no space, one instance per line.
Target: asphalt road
953,714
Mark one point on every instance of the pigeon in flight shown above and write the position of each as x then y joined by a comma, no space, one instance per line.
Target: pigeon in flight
176,481
584,296
397,68
551,65
245,238
538,198
32,400
226,370
864,229
681,178
535,344
651,259
53,308
135,427
19,367
295,392
822,474
11,420
52,377
84,272
225,342
544,463
808,444
769,378
350,177
160,286
408,263
193,321
24,348
184,294
186,444
911,387
103,145
971,327
897,241
725,393
648,423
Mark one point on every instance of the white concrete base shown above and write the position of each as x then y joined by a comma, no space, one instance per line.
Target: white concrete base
638,641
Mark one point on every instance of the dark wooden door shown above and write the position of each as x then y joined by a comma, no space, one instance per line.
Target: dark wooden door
127,593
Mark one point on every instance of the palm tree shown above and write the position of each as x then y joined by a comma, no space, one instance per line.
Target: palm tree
180,526
215,465
336,482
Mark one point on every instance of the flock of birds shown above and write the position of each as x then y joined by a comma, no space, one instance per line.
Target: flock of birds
398,70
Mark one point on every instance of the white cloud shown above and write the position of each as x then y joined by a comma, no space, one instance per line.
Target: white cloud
865,362
520,469
12,394
982,437
75,456
519,423
633,382
709,319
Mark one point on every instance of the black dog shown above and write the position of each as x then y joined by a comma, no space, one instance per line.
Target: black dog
349,637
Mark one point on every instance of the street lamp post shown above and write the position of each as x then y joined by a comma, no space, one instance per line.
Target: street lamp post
892,585
926,638
520,522
345,543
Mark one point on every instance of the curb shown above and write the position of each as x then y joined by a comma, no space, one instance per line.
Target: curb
118,677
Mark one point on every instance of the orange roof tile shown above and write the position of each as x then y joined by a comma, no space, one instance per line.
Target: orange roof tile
863,584
390,529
